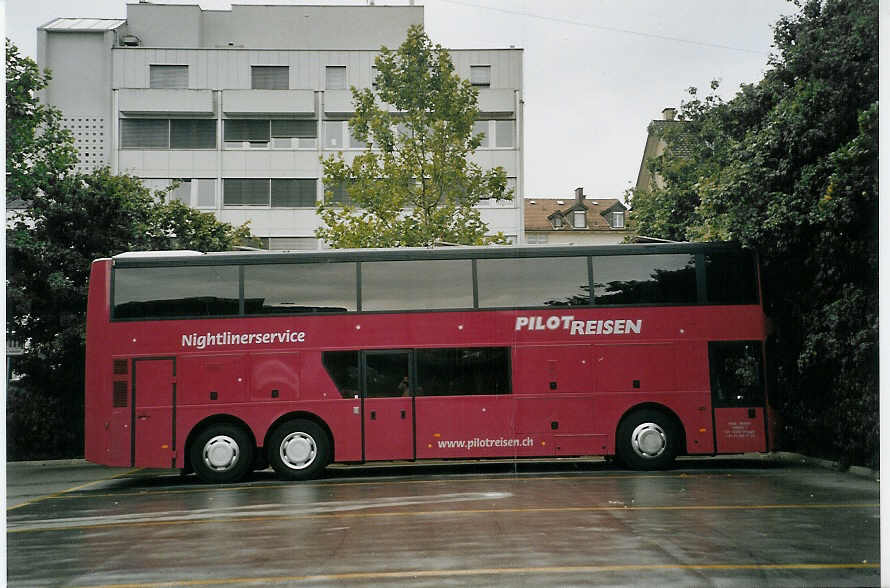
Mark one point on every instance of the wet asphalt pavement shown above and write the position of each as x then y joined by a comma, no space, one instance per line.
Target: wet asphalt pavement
725,521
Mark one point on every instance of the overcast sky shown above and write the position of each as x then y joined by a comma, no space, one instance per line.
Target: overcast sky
596,72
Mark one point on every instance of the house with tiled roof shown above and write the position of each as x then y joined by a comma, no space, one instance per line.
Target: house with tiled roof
655,146
575,221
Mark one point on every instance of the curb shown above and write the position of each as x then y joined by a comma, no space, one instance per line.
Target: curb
790,457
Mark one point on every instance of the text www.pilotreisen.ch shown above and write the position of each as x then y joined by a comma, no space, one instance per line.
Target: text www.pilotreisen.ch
477,442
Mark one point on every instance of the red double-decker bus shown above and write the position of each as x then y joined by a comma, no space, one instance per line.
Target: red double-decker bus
225,362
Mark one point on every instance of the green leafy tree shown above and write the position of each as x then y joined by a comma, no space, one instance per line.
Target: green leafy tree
789,168
69,220
415,186
37,147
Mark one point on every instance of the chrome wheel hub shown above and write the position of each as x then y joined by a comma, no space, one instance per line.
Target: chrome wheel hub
298,450
220,453
648,440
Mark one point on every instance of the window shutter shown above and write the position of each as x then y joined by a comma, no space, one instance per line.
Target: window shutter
270,77
168,76
245,192
335,77
292,243
293,192
504,133
246,130
480,75
206,193
305,129
192,134
145,133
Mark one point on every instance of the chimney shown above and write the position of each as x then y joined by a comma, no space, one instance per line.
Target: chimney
579,194
669,113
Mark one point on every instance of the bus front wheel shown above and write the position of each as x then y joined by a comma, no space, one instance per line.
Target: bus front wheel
647,440
299,450
222,453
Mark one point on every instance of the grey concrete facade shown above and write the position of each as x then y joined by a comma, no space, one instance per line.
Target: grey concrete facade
193,70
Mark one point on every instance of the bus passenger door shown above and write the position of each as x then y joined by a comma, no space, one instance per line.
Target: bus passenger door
154,398
387,413
737,396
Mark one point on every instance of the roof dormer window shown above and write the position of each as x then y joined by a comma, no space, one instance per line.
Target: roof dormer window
557,221
579,219
618,220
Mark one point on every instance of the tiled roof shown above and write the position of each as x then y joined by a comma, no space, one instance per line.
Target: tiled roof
538,209
83,24
682,141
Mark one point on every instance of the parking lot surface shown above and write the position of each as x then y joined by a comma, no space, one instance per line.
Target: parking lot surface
722,521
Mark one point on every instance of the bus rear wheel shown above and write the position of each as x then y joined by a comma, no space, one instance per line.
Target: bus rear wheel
222,453
647,440
299,450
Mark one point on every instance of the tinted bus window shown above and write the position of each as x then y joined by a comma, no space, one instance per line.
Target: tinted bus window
417,285
538,281
162,292
462,372
731,278
342,367
299,287
645,279
736,373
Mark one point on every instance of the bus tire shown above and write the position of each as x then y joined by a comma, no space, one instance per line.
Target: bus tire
299,449
222,453
647,439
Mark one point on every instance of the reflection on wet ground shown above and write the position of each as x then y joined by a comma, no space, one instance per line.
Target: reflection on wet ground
732,521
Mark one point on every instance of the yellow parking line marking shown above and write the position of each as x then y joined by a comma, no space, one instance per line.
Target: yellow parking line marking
413,574
72,489
429,513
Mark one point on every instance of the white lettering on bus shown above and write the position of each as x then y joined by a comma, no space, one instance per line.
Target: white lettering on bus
229,338
568,323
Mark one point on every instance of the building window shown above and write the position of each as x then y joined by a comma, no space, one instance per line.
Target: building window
536,238
338,194
274,193
335,77
192,134
293,193
168,134
494,203
374,74
168,76
481,127
194,192
290,244
499,134
269,77
617,220
579,219
275,134
480,75
556,221
338,135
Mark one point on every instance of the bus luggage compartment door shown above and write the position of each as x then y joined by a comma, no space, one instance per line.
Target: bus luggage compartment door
154,394
737,396
388,416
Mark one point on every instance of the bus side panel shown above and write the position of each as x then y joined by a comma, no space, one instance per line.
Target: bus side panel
468,427
628,375
98,440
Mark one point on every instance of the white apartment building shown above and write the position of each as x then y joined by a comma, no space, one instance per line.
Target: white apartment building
239,105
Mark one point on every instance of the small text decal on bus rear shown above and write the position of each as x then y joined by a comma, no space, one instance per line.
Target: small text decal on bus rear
568,323
229,338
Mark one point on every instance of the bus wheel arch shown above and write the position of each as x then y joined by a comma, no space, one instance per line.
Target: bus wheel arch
649,436
299,446
220,449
